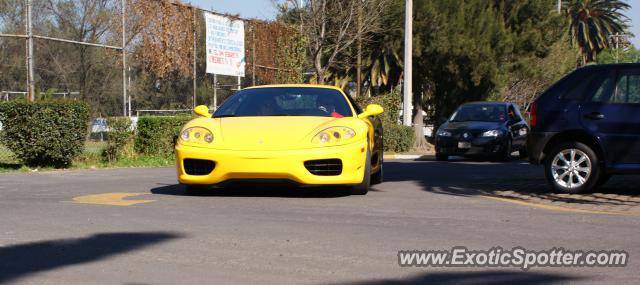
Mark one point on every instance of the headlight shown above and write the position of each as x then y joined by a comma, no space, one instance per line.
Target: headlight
334,135
196,135
492,133
443,133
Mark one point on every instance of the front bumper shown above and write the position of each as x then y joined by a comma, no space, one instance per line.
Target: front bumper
479,146
272,165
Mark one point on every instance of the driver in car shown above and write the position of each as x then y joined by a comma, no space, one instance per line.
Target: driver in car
326,105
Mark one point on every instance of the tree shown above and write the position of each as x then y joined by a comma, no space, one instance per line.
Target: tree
592,22
331,28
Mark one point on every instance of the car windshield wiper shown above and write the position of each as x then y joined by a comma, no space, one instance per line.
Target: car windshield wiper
225,116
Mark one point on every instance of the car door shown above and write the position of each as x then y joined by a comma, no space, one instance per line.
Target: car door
517,127
612,113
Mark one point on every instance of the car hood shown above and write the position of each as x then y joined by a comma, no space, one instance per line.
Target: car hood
270,133
472,126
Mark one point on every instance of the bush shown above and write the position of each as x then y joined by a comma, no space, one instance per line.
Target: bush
390,102
398,138
157,135
44,133
120,138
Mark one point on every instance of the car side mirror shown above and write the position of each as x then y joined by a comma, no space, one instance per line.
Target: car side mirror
202,110
371,110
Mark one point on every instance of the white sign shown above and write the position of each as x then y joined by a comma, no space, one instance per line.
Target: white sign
225,45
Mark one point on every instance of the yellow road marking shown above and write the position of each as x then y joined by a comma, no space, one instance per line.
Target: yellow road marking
111,199
556,208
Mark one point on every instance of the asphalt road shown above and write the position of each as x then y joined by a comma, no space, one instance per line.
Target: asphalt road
51,232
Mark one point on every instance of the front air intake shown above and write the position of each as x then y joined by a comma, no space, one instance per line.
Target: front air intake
324,167
198,166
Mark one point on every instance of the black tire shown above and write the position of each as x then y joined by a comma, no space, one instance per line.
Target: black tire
523,153
442,157
363,188
378,177
505,154
595,168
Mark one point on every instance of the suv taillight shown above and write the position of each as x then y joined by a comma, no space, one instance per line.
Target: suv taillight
534,115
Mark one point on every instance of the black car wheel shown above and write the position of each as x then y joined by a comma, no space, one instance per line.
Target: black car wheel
378,177
572,167
523,153
505,153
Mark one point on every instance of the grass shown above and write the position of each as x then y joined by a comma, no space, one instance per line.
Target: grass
91,158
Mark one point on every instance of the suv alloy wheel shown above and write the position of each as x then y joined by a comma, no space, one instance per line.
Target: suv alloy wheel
572,167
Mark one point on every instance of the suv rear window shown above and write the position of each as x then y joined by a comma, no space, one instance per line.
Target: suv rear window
580,87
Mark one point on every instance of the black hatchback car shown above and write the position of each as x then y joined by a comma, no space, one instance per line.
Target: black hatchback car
490,129
586,127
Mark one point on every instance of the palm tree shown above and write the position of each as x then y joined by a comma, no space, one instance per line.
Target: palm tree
593,21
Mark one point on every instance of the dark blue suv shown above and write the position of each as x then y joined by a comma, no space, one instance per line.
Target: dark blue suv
586,127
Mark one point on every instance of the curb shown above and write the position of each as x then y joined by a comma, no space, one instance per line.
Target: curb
403,156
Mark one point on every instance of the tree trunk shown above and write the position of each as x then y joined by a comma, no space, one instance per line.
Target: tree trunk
319,70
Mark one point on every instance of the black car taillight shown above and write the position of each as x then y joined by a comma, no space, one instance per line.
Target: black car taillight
534,115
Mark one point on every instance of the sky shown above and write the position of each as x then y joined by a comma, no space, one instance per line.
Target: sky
260,9
263,9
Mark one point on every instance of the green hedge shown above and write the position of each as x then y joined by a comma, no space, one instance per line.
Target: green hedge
44,133
157,135
120,139
398,138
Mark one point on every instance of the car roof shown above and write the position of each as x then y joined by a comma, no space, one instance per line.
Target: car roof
611,66
487,103
296,86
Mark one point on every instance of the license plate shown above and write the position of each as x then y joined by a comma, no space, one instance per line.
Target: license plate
464,145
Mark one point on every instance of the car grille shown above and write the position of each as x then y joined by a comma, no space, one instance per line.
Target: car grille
324,167
459,134
198,166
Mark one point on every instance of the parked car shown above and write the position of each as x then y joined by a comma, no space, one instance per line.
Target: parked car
494,129
586,127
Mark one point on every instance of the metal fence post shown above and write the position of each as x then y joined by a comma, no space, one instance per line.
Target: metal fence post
124,61
195,55
30,82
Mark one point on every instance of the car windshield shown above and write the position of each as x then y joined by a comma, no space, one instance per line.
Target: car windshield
480,113
285,101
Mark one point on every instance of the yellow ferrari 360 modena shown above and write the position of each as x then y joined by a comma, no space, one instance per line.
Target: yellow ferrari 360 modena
306,134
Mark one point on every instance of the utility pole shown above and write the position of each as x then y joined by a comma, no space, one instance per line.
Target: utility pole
559,6
408,64
195,56
30,81
359,60
620,41
124,60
